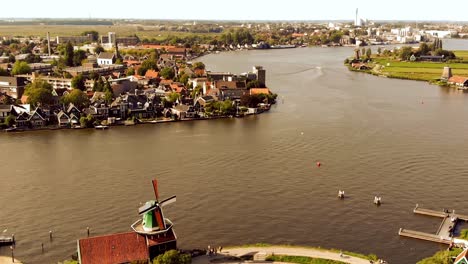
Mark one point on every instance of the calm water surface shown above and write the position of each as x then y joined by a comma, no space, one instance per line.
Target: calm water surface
253,180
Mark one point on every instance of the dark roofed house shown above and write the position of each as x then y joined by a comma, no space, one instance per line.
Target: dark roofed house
230,84
431,58
106,58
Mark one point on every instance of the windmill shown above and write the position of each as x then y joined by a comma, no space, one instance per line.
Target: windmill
153,221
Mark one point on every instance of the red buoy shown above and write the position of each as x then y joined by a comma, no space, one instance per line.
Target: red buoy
319,164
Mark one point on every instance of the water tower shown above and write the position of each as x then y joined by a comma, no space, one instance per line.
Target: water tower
447,73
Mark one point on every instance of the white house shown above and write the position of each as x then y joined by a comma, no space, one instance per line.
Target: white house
106,58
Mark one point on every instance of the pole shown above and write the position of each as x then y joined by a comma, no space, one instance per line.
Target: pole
87,229
50,235
42,247
12,255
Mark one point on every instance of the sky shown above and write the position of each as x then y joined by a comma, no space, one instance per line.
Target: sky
455,10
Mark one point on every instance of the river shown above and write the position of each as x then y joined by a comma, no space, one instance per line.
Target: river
253,180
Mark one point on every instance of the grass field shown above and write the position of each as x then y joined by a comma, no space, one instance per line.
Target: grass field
302,260
422,71
75,30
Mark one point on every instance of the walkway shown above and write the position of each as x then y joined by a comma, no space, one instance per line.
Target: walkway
7,260
278,250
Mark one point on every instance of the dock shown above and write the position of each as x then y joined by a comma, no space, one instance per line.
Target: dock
444,233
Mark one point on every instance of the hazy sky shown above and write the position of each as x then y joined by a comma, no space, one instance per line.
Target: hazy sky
239,9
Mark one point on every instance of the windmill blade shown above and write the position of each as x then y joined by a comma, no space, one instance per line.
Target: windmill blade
147,207
155,187
168,201
160,219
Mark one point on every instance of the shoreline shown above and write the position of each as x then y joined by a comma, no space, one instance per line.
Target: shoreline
151,122
260,252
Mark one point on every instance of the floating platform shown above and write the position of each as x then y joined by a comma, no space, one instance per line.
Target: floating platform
444,234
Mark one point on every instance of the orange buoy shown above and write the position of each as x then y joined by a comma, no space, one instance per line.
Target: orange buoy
319,164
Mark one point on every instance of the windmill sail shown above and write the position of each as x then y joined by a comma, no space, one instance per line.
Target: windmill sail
168,201
155,187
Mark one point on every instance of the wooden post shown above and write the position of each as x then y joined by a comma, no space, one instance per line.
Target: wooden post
87,229
13,238
42,247
50,235
12,255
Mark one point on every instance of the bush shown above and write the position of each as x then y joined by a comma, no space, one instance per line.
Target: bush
441,257
173,257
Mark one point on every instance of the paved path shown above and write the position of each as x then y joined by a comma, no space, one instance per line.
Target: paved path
277,250
7,260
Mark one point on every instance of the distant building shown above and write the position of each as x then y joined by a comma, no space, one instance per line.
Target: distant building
106,58
261,74
74,39
12,86
458,81
462,258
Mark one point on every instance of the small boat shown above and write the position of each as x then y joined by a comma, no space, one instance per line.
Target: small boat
341,194
101,127
377,200
11,129
7,240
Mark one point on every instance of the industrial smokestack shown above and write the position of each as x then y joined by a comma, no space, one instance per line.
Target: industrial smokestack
356,19
48,43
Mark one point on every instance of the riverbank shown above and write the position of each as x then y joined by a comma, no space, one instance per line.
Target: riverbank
431,72
262,251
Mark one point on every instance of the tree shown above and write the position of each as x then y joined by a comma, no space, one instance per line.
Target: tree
68,54
172,97
78,82
167,73
78,57
198,65
76,97
184,78
368,53
20,67
379,50
424,49
173,257
87,121
10,120
406,52
39,92
4,72
94,34
130,71
149,64
98,49
255,84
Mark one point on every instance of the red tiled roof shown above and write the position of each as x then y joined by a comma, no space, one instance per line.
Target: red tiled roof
115,248
259,91
199,72
297,35
166,81
152,46
155,240
151,74
132,62
458,79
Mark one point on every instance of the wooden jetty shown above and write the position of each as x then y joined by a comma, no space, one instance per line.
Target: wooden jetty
7,240
444,234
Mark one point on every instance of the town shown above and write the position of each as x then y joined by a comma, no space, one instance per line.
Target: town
80,89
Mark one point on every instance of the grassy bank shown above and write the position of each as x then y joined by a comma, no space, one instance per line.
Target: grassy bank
354,254
76,30
419,71
302,260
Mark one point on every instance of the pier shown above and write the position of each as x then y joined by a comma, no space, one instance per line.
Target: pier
444,234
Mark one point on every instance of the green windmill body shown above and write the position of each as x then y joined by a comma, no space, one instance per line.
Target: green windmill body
149,218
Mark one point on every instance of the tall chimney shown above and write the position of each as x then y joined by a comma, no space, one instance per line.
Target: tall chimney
48,43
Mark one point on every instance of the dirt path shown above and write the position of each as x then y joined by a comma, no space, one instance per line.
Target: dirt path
278,250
